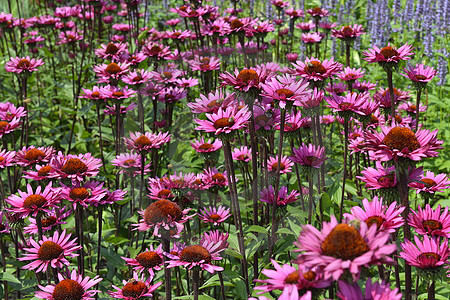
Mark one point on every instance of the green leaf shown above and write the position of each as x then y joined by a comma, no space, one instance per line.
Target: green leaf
9,277
233,253
257,228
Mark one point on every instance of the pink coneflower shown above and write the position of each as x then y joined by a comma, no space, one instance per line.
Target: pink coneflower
111,197
309,155
268,196
204,64
337,88
420,75
383,97
311,38
173,22
285,164
201,255
327,26
295,121
75,287
7,158
410,107
111,110
159,190
426,254
377,290
279,4
292,57
215,237
144,142
244,80
166,75
111,51
265,117
8,111
348,104
156,51
172,94
388,54
305,26
341,247
186,82
291,280
162,214
69,37
97,93
430,221
285,89
294,13
29,203
52,252
243,154
83,194
43,172
137,288
213,178
32,155
48,222
327,119
23,64
394,142
130,163
348,33
212,102
364,86
430,183
311,103
374,212
215,215
137,77
116,93
4,225
351,74
317,12
225,121
113,71
149,260
313,69
208,146
75,167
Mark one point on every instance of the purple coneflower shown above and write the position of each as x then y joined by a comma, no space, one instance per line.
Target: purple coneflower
215,215
380,291
430,221
137,288
144,142
243,154
149,260
285,164
309,155
225,121
268,196
23,64
430,183
426,254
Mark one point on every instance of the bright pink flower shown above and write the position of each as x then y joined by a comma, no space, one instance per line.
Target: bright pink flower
243,154
86,194
204,64
215,215
313,69
295,13
97,93
351,102
156,51
309,155
111,110
311,37
430,183
410,107
382,178
29,203
420,73
33,155
348,33
292,57
337,88
212,102
113,71
285,89
312,102
318,12
75,287
246,79
208,146
340,247
130,163
23,64
305,26
178,35
144,142
378,291
388,54
8,111
137,288
383,97
213,178
69,37
52,252
225,121
385,218
426,254
268,196
351,74
148,260
42,172
137,77
75,167
4,225
364,86
171,94
48,222
431,221
7,158
111,51
285,164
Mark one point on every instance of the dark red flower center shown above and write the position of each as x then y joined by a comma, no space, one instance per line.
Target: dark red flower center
74,166
218,177
344,242
224,122
420,77
312,158
428,259
287,93
23,63
242,157
161,210
111,48
248,75
275,166
34,154
68,289
134,289
164,193
400,138
315,67
49,221
388,52
310,275
155,50
79,193
347,31
388,177
34,201
129,162
44,171
142,141
398,119
137,78
317,10
236,23
95,94
113,68
166,75
432,225
118,94
292,278
205,61
375,220
49,250
1,159
214,217
3,124
195,253
205,146
412,107
428,182
149,259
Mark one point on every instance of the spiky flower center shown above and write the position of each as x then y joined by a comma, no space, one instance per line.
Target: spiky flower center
400,138
134,289
218,177
118,94
242,157
420,77
275,166
111,48
398,119
428,259
79,193
49,250
49,221
317,10
142,141
224,122
3,124
23,63
149,259
195,253
312,158
44,171
388,52
248,75
34,201
34,154
285,92
166,75
315,67
344,242
113,68
214,217
161,210
388,177
215,103
74,166
1,159
347,31
129,162
375,220
432,225
310,275
292,278
205,146
236,23
428,182
155,50
95,94
205,61
164,193
68,289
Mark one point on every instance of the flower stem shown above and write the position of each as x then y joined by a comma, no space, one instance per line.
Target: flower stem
419,93
431,291
165,240
391,91
347,54
195,281
341,207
